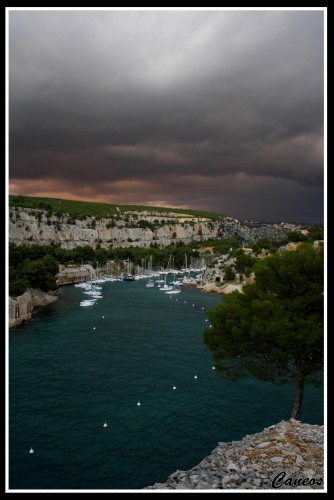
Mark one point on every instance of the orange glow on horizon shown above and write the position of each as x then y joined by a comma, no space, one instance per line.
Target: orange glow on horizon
56,189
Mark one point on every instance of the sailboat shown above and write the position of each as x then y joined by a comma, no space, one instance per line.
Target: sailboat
128,276
166,287
150,283
174,289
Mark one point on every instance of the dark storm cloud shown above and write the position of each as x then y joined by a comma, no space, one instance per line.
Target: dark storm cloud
144,106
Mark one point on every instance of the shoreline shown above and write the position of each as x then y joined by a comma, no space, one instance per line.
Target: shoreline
224,289
22,307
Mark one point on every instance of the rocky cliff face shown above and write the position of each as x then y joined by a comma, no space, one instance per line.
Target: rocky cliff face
132,229
22,307
129,229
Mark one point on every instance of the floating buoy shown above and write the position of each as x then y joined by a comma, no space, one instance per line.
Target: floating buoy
31,450
213,368
102,317
93,327
139,403
202,307
174,387
206,319
105,424
193,305
195,376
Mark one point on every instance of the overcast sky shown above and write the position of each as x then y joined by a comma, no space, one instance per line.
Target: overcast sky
213,110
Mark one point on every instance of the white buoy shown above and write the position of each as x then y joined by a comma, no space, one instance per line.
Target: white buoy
31,450
202,307
105,424
139,403
193,305
174,387
102,317
213,367
195,376
206,319
94,328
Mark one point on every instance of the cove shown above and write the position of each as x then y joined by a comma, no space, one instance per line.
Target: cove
72,368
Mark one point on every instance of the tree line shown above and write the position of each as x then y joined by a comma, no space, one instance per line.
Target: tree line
28,266
37,265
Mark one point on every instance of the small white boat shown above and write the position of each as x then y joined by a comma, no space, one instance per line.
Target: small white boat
95,295
82,284
173,291
93,288
87,303
175,288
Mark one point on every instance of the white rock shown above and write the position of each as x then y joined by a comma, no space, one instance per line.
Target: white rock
264,445
277,460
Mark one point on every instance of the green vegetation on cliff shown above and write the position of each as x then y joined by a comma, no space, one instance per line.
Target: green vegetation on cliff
32,266
83,209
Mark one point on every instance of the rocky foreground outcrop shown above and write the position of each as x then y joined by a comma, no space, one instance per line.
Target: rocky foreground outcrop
286,456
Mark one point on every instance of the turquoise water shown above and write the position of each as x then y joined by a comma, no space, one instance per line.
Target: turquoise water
66,379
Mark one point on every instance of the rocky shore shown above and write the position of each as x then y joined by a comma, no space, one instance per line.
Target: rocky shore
225,289
22,307
285,456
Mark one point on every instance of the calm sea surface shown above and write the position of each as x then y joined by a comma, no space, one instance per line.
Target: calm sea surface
67,378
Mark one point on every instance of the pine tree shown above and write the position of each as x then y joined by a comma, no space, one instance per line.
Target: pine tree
274,329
